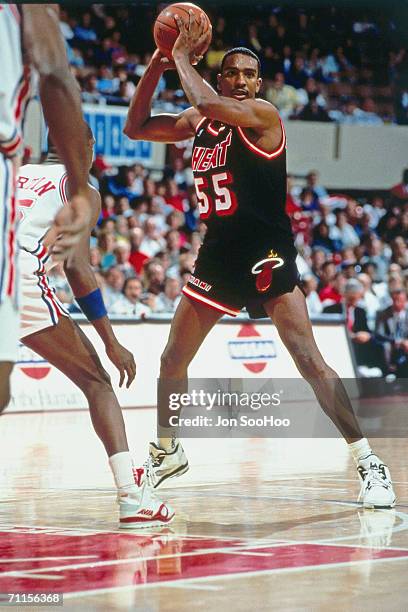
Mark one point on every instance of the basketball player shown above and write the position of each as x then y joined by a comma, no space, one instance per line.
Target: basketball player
46,328
248,255
37,28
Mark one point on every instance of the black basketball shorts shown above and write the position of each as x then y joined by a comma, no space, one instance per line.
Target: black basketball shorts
247,283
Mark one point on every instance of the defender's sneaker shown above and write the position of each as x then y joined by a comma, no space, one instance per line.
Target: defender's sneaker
376,486
165,464
140,508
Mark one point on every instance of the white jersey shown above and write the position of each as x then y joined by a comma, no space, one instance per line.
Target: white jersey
14,81
14,94
41,193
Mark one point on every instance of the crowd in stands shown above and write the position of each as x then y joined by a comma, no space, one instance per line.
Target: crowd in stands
322,64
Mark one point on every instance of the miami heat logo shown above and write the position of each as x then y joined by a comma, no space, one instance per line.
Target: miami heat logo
264,270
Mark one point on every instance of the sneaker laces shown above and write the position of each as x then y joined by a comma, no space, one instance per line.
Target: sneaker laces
376,474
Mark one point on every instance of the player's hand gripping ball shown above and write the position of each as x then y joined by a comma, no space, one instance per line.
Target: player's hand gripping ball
166,30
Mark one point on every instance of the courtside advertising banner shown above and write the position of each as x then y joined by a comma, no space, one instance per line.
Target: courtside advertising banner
233,349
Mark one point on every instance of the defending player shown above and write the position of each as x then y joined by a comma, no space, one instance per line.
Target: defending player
36,28
46,327
248,255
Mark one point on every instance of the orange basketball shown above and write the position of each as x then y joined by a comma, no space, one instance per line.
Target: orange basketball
166,31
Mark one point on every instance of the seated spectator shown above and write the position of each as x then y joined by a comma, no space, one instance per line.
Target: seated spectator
169,299
126,183
174,197
308,200
318,258
342,231
137,258
129,302
386,289
375,211
370,301
84,31
367,351
154,276
292,205
350,269
173,244
312,111
106,245
90,93
105,82
152,242
370,116
123,95
312,182
376,254
399,252
392,328
333,291
114,281
313,303
95,258
122,254
321,238
311,91
284,97
297,75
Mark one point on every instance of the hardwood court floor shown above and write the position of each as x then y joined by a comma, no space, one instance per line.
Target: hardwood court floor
261,524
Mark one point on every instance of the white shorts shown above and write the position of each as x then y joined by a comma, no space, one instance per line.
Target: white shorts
9,327
40,308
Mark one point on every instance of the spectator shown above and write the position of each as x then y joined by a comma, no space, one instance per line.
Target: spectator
169,299
106,245
152,242
312,111
114,281
122,254
376,254
137,258
321,238
370,116
84,30
312,182
400,191
313,303
392,327
129,302
370,301
344,232
334,282
154,276
91,93
284,97
367,352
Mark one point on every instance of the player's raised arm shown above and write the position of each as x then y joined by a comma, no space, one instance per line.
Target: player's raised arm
60,99
140,125
88,295
240,107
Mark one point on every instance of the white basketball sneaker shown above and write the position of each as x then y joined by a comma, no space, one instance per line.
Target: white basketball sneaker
139,508
376,485
164,464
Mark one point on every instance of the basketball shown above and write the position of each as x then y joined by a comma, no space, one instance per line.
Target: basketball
166,31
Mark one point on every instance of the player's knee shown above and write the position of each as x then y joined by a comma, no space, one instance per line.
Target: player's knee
307,358
312,366
98,383
172,364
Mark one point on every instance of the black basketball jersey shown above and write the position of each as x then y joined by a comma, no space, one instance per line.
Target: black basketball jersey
242,193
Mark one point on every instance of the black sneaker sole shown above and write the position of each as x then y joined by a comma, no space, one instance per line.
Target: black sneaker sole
182,469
